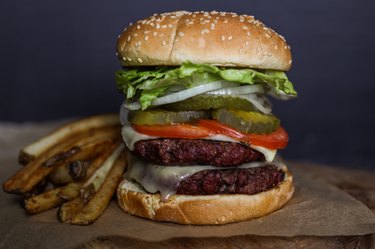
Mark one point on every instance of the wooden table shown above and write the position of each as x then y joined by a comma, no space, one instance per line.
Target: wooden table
358,183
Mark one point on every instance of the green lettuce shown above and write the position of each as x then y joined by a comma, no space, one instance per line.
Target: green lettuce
148,83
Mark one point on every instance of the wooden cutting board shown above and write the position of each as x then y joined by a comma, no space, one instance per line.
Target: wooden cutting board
358,183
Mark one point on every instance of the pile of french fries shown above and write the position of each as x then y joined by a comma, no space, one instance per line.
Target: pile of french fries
76,168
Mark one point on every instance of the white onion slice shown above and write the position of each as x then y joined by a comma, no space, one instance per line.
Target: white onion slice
259,103
191,92
238,90
133,106
124,111
184,94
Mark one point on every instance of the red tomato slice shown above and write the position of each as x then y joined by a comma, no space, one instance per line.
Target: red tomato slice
275,140
173,131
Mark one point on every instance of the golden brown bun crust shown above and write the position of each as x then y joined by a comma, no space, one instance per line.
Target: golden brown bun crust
217,38
203,210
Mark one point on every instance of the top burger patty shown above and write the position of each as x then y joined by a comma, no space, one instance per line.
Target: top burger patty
182,152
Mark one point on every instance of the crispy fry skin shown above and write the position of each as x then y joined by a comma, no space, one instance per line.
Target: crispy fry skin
35,149
89,208
69,209
72,190
43,201
90,145
98,203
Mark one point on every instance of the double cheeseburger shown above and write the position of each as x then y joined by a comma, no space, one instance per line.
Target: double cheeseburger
196,119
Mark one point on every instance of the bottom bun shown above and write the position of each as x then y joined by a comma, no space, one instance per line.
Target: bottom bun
203,209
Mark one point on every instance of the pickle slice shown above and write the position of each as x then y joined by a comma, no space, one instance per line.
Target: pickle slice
247,122
162,117
207,102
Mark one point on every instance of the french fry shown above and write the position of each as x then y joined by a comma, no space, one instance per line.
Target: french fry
34,150
60,175
90,144
78,169
97,179
72,190
54,197
43,202
69,209
98,203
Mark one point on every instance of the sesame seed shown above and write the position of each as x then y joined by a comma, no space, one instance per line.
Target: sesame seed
163,43
245,27
230,37
138,27
146,32
146,37
225,21
290,62
124,58
135,34
164,26
247,43
128,39
170,25
155,33
248,33
116,53
276,46
267,35
223,38
129,59
205,31
140,60
157,26
181,34
130,24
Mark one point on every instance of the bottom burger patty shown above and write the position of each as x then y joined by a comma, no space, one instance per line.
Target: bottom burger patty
195,152
231,181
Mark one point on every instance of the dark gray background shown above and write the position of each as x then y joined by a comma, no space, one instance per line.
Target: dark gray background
57,60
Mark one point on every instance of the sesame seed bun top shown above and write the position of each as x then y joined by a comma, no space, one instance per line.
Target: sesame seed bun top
217,38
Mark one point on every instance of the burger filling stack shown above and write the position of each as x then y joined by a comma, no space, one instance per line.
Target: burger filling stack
197,120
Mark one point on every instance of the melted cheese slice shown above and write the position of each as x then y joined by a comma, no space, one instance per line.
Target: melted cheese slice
130,136
165,179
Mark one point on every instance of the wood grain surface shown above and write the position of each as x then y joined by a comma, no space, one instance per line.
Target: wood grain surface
358,183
